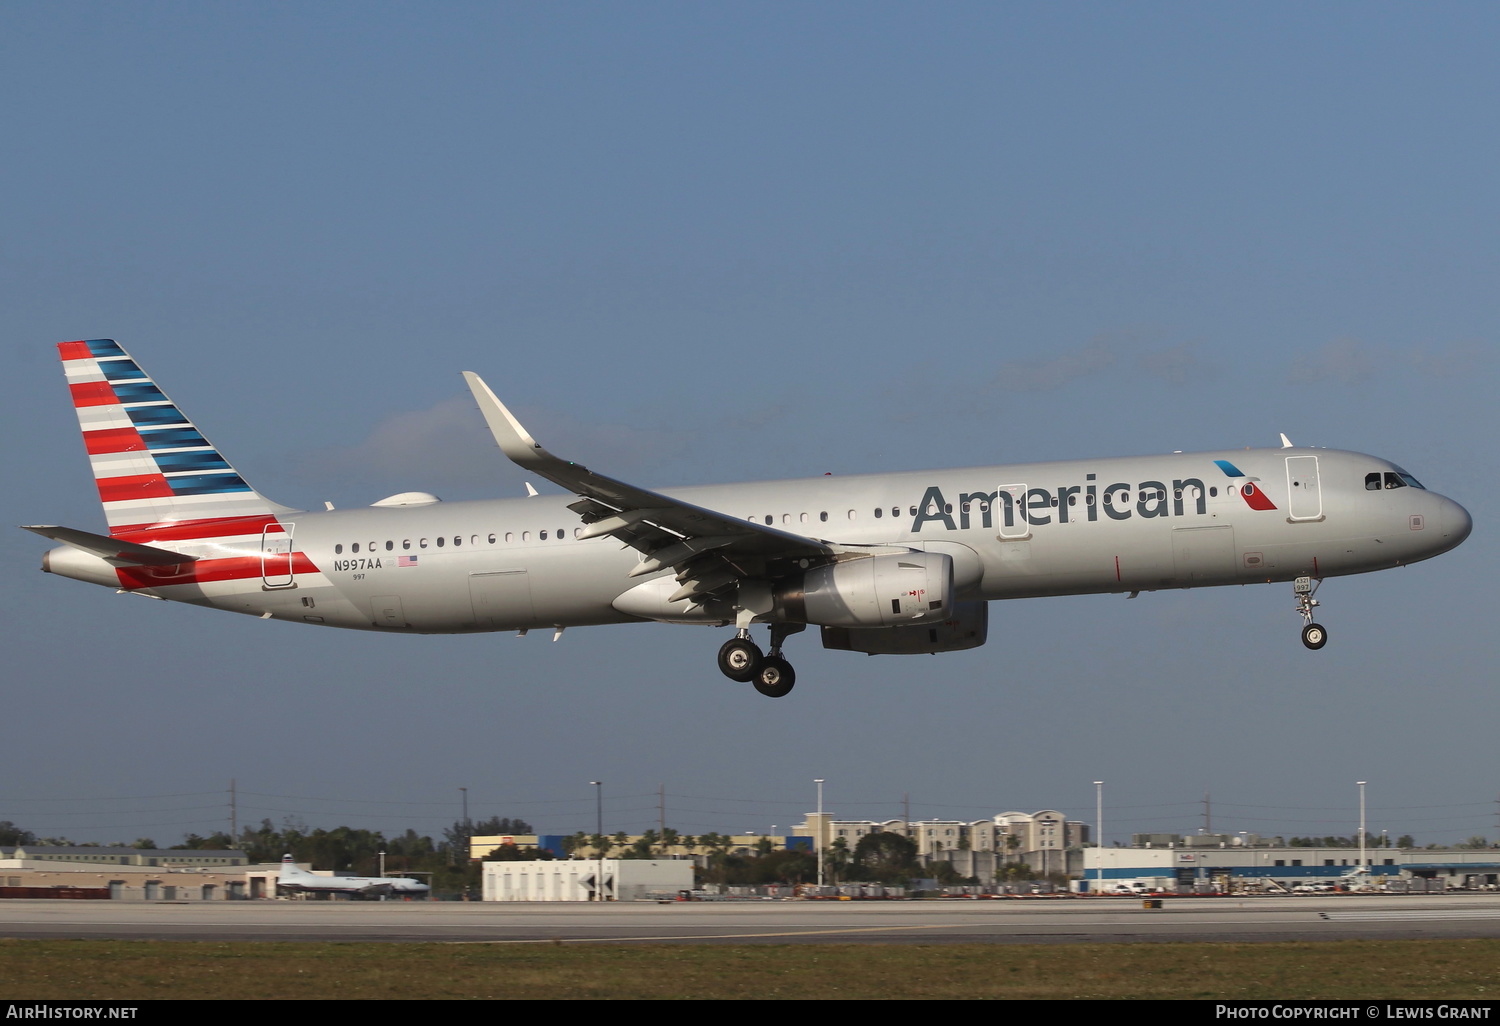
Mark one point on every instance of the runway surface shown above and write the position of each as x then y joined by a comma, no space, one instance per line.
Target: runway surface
1333,917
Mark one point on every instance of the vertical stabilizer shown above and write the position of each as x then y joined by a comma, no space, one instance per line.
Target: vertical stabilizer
152,465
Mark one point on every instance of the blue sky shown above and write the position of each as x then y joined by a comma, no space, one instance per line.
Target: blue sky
699,242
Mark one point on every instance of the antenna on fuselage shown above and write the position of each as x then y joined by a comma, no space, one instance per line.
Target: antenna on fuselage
1286,443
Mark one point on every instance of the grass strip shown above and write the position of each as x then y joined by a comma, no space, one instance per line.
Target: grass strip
205,970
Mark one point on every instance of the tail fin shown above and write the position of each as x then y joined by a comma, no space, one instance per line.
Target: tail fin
150,463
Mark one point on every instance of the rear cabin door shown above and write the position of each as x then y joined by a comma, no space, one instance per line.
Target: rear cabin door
276,556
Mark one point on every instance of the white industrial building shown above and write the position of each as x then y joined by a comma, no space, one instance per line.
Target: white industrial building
586,879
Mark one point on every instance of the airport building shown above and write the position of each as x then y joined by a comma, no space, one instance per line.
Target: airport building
1228,866
125,874
586,880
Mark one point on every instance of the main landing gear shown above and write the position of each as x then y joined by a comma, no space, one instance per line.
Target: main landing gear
1314,635
740,659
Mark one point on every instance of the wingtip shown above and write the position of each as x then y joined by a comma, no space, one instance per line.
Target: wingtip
514,440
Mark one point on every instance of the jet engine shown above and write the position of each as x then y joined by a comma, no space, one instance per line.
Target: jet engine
893,589
967,626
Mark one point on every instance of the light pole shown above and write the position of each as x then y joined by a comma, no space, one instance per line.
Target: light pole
1099,841
468,838
599,833
819,840
1363,860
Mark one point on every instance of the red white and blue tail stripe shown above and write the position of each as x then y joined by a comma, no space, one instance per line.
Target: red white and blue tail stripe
151,464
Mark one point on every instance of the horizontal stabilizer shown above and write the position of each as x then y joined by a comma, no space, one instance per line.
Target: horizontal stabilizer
111,550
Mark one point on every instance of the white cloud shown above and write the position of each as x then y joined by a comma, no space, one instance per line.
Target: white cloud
1348,361
448,448
1050,375
1345,361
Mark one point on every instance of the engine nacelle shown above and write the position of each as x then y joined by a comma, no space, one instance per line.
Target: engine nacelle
967,626
894,589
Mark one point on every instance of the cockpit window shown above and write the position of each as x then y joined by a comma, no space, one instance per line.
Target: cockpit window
1391,479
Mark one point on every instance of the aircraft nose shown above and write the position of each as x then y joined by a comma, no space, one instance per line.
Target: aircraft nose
1456,522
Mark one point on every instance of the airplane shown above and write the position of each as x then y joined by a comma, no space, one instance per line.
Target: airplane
296,880
899,563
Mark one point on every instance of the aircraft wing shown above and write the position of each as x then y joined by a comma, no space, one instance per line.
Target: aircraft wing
709,549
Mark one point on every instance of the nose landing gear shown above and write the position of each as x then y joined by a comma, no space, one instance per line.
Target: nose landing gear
1314,635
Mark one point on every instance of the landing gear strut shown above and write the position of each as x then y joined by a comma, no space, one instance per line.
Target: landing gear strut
1314,635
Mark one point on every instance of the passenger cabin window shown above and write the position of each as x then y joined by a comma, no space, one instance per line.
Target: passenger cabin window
440,541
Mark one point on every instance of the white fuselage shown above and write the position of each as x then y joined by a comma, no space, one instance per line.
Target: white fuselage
1085,526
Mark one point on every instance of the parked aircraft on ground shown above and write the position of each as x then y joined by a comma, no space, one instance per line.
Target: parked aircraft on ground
895,563
296,880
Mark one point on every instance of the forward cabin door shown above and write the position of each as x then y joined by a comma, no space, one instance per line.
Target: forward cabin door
1304,491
